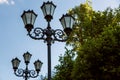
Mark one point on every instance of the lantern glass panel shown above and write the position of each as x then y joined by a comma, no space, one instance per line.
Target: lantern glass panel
63,23
27,57
67,22
15,63
52,9
24,19
43,10
28,18
38,65
48,9
33,18
72,22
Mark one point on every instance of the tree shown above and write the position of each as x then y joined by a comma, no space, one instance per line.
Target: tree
98,58
90,23
64,69
82,27
96,42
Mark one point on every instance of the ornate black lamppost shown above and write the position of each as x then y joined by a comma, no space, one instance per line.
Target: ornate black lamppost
26,73
48,34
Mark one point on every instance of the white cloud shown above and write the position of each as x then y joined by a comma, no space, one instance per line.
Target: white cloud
12,2
3,1
8,2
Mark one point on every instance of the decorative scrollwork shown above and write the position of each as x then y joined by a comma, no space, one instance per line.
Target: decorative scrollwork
43,34
33,73
24,73
19,72
59,35
38,33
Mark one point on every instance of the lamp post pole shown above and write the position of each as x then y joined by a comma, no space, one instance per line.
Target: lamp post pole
48,34
26,73
49,60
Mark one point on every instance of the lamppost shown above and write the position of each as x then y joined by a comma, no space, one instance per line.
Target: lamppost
26,73
48,34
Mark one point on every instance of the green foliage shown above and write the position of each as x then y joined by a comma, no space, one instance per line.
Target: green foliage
64,69
99,57
96,40
90,23
82,27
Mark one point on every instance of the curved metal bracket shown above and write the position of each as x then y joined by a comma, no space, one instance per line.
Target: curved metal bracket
33,74
19,72
59,35
48,35
26,73
37,34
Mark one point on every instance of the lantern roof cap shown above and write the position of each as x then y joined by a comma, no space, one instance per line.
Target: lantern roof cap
48,2
28,11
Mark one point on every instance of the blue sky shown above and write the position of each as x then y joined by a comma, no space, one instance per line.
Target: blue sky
13,36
